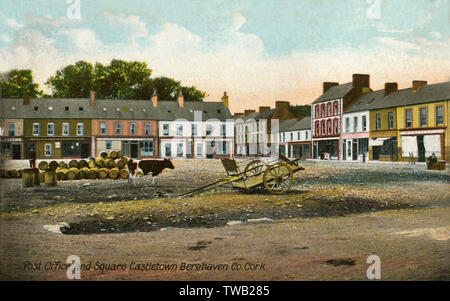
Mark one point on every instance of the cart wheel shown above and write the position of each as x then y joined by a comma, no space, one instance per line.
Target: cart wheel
254,167
278,178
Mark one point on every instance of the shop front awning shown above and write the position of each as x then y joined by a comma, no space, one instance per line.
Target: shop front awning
377,141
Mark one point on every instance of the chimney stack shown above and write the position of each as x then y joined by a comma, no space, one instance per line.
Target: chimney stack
93,98
282,107
181,100
154,98
264,109
417,84
226,99
248,112
328,85
237,115
26,99
361,80
389,88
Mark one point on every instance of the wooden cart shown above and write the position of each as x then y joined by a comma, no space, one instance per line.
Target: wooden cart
275,176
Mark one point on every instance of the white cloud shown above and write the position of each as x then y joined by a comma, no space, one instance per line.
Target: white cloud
13,24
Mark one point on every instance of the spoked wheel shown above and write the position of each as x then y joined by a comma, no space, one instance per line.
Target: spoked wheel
278,178
254,167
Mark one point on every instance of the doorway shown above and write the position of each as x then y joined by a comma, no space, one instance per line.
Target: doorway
376,150
421,148
16,151
85,150
134,147
354,150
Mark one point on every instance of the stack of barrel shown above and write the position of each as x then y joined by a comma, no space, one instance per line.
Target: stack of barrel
112,165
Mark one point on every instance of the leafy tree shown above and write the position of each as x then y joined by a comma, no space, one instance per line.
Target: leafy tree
73,80
18,83
301,110
193,94
167,88
120,79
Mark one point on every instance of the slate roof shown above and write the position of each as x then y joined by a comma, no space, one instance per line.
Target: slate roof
111,109
366,101
407,97
335,92
288,125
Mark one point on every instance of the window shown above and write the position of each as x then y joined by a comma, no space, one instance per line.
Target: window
317,128
65,129
364,123
223,130
329,109
180,130
378,121
336,108
355,124
118,128
48,149
80,129
148,129
180,150
208,129
80,109
306,135
36,129
324,112
12,130
283,138
50,129
391,120
323,128
336,127
166,129
317,111
36,108
408,118
103,128
298,136
199,150
168,150
133,128
66,109
292,137
194,130
147,148
439,115
329,127
423,116
347,124
349,148
109,144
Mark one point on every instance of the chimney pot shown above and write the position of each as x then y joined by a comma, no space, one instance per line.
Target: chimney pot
263,109
181,100
417,84
93,98
328,85
389,88
154,98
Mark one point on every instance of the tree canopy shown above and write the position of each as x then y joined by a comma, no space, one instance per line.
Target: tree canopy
117,80
18,83
301,110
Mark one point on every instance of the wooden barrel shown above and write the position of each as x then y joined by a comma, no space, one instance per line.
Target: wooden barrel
63,165
91,163
60,174
52,166
124,174
71,174
73,164
113,155
104,155
43,165
50,178
83,173
121,164
37,179
28,177
120,154
113,173
102,173
110,163
42,176
93,174
82,164
100,163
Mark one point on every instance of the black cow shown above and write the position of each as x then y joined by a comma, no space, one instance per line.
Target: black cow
155,166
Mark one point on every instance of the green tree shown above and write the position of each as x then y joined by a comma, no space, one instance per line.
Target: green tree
120,79
18,83
167,88
193,94
301,110
73,80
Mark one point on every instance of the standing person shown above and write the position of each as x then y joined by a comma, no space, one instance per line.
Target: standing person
132,167
32,156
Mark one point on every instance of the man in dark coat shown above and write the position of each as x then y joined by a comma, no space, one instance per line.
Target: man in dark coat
32,156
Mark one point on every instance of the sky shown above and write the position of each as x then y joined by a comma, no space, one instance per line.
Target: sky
259,51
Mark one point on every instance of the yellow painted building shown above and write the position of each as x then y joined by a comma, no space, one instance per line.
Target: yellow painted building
410,124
